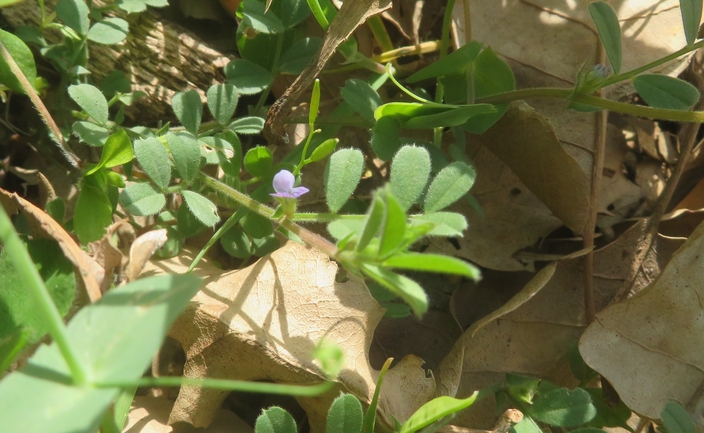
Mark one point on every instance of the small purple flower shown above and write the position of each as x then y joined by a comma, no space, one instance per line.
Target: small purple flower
283,185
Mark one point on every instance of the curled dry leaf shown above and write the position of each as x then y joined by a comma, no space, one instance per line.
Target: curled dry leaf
150,415
263,323
527,143
42,225
534,338
142,249
512,216
661,328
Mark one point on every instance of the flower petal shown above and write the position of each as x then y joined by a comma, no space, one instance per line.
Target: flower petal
283,181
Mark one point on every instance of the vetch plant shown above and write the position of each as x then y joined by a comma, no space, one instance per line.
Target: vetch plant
210,174
286,194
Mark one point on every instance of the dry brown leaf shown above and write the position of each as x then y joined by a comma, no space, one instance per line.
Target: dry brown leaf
263,322
650,347
534,338
512,216
142,249
42,225
350,16
150,415
527,143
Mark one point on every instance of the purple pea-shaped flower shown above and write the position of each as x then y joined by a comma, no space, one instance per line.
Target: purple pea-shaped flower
283,185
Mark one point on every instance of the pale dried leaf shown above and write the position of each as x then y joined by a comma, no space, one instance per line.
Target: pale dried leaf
662,329
534,338
142,249
528,144
150,415
263,322
651,30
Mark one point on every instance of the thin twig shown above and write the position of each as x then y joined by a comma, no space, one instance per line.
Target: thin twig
590,227
651,228
37,101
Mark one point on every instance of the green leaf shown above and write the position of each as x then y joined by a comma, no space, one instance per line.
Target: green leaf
609,31
142,199
154,159
385,137
117,151
187,224
345,415
342,228
435,410
90,133
393,227
258,161
491,76
433,263
372,222
676,419
93,211
691,17
255,16
563,408
324,149
527,425
256,225
248,77
342,175
451,117
222,102
405,288
608,414
453,182
109,335
109,31
447,224
74,13
290,12
275,420
247,125
236,243
186,152
410,169
188,109
661,91
295,60
457,62
361,97
19,315
91,100
203,209
23,57
56,209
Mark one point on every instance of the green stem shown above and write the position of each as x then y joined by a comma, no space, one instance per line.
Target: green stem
308,217
444,47
630,74
34,284
234,219
635,110
307,236
224,385
274,71
332,120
